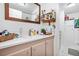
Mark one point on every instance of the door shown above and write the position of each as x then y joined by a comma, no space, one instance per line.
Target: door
49,47
38,49
23,52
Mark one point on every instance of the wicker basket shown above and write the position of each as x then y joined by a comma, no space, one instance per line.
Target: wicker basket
8,37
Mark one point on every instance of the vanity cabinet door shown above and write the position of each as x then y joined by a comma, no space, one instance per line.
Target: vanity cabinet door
38,49
23,52
49,47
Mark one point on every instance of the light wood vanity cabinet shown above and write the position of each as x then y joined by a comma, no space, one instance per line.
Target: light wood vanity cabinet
23,52
38,49
49,47
43,47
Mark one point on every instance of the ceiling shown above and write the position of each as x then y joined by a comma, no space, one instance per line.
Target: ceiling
73,9
26,8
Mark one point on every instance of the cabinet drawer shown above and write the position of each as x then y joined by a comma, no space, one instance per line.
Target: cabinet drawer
49,47
23,52
38,49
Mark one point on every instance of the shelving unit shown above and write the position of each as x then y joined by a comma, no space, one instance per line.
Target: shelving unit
48,17
49,21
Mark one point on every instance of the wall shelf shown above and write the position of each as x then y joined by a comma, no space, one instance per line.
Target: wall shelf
49,21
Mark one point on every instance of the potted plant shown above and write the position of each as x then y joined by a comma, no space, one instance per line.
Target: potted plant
43,31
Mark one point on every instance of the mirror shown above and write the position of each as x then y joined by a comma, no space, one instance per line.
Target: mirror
23,12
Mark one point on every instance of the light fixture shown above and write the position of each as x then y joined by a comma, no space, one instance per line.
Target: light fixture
71,4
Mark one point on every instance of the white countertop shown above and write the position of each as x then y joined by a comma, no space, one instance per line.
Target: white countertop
22,40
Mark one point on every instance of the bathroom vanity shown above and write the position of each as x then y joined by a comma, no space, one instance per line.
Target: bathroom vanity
39,45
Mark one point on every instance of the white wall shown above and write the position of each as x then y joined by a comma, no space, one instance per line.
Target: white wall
75,15
72,32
